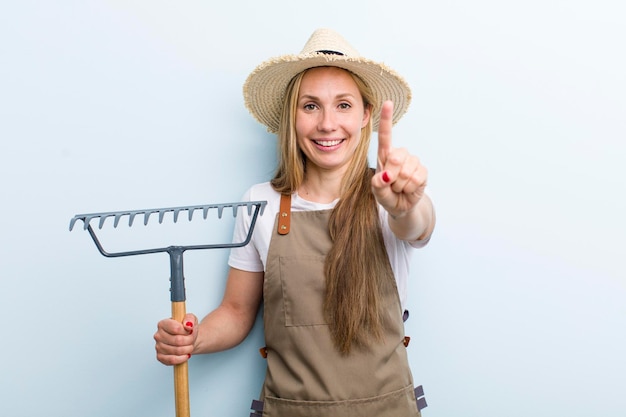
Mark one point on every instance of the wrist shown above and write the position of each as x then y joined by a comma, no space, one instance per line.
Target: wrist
399,215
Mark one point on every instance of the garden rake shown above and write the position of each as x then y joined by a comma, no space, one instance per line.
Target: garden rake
177,284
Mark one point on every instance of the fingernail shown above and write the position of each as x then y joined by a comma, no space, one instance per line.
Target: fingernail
188,355
386,177
189,324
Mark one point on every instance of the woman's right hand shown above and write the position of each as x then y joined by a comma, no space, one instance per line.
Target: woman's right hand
175,341
221,329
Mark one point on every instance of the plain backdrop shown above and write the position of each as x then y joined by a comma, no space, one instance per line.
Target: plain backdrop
518,305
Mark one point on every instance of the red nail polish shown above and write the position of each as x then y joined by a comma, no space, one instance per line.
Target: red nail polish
189,324
386,177
188,355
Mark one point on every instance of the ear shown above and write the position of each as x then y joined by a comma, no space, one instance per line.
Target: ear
367,113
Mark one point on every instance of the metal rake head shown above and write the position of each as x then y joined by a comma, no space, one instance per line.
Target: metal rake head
146,213
258,207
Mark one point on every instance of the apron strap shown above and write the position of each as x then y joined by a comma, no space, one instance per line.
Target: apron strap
284,216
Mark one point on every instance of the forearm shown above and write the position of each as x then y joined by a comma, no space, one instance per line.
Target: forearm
230,323
222,329
416,224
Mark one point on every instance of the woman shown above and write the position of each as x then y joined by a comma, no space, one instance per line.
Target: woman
330,255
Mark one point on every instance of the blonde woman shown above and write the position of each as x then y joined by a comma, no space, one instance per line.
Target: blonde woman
329,258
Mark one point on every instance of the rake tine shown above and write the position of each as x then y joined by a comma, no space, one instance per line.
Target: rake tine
84,219
146,217
205,211
191,210
72,222
220,210
131,218
117,220
161,215
101,223
176,212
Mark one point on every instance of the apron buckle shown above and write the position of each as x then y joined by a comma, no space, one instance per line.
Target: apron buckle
419,397
257,408
263,352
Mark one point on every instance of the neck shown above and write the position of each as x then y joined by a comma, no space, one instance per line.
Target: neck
321,188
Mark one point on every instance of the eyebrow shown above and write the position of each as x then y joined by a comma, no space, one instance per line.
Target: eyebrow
338,96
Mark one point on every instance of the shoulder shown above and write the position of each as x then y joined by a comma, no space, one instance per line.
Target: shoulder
261,191
264,192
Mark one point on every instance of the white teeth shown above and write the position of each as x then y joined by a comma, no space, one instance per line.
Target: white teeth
328,142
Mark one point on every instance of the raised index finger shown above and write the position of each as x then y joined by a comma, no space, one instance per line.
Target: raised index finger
384,132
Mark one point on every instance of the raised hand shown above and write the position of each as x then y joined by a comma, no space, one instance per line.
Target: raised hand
400,178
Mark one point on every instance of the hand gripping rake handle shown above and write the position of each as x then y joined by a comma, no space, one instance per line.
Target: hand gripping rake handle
177,280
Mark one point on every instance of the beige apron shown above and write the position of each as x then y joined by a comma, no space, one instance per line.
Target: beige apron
306,375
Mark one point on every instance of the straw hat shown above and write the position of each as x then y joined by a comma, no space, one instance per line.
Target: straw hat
264,90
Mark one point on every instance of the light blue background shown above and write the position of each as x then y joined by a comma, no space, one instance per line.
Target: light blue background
518,304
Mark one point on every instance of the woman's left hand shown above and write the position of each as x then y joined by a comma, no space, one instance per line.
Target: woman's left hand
400,178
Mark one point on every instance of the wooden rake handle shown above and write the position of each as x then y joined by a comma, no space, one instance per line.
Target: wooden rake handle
181,375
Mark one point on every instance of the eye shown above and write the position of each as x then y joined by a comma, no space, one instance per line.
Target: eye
345,106
309,106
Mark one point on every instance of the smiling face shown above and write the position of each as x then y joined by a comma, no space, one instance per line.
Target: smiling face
330,114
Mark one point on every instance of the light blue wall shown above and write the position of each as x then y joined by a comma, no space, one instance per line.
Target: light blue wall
518,305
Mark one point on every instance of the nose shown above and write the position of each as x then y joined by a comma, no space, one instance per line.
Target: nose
327,122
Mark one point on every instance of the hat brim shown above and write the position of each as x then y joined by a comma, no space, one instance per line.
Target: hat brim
265,88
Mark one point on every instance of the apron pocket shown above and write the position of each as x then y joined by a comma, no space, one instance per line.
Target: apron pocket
399,403
303,285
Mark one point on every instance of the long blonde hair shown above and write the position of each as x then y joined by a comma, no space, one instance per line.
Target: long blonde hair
357,266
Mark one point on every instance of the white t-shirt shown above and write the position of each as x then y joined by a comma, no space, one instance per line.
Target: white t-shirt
253,257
